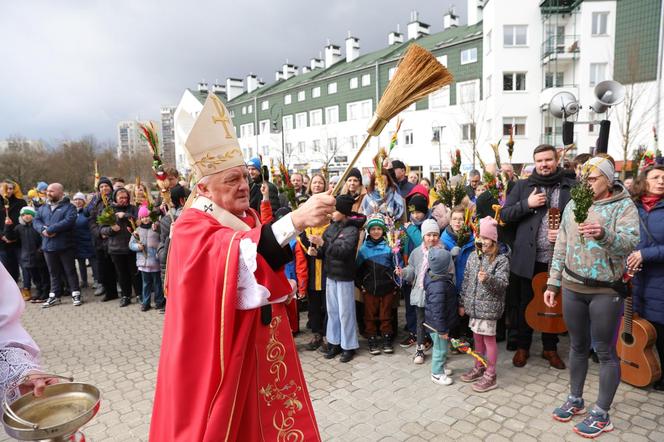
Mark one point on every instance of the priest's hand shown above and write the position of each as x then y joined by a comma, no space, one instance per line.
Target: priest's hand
316,211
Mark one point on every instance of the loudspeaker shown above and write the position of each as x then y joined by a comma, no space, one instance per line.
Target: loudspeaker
603,138
608,93
568,133
563,105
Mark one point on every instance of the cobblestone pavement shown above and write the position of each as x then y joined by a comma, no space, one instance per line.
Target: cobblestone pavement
382,397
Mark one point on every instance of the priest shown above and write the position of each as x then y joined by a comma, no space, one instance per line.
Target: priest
229,368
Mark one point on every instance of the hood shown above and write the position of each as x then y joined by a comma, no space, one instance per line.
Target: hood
504,249
65,200
619,193
356,220
418,188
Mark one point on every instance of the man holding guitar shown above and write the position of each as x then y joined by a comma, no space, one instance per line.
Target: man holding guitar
527,207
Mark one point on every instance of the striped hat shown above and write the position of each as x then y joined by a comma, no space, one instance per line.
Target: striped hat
27,210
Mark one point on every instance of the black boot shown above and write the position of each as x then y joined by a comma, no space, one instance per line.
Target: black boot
125,301
332,351
347,355
108,297
374,348
315,342
388,345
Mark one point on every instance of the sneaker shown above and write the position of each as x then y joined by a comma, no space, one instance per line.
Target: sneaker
569,409
374,348
486,383
595,424
441,379
448,371
51,301
76,299
124,302
99,289
387,344
419,356
409,341
315,342
473,374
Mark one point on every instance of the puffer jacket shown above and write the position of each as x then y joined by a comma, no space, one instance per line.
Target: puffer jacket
375,267
486,300
60,220
601,260
340,247
118,242
412,273
449,240
146,259
83,236
440,310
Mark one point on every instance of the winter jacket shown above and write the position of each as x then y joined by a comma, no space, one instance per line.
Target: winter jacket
411,274
15,206
486,300
413,238
603,259
441,305
528,221
393,205
340,247
59,219
92,211
118,242
449,240
30,242
316,272
83,236
165,224
648,284
375,267
146,259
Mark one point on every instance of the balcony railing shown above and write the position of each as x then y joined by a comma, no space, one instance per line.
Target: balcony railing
560,45
557,140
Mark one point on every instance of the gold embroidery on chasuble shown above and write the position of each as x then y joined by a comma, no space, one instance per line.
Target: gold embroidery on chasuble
284,394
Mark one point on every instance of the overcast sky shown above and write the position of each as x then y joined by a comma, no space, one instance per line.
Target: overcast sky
70,68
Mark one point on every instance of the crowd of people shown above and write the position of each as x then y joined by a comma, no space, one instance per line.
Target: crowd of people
393,239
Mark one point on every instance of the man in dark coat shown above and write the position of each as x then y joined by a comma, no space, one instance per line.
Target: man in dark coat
401,178
255,195
527,207
10,205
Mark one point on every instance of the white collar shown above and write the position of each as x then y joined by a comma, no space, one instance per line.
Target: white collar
223,216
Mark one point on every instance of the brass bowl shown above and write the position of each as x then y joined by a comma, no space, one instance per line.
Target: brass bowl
59,412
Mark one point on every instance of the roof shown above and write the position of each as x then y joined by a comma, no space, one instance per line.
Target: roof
202,96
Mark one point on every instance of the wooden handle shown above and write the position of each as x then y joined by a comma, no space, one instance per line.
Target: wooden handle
344,176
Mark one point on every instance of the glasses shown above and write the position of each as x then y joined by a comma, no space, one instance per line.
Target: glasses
593,179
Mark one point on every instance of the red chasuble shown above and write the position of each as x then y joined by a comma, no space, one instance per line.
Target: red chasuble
223,374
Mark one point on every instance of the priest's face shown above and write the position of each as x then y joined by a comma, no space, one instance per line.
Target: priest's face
228,189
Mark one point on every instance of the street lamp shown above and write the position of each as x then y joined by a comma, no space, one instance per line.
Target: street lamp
437,138
275,115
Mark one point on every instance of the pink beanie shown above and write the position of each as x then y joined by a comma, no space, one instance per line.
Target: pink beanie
143,212
489,228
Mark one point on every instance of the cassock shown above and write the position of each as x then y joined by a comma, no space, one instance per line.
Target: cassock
229,368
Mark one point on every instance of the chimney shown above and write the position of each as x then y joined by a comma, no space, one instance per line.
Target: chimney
289,70
252,83
306,69
234,88
394,37
218,88
332,54
416,29
278,76
203,86
317,63
352,48
450,20
475,9
261,83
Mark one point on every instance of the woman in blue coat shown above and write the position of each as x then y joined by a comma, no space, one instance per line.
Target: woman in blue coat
83,242
648,284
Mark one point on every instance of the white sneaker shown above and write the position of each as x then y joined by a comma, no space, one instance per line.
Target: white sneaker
51,301
76,298
441,379
448,371
419,357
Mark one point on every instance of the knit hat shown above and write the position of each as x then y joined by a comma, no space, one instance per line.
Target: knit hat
430,226
355,173
603,165
27,210
255,162
418,203
489,228
143,212
376,220
78,196
104,180
334,179
439,260
441,214
345,204
398,164
42,186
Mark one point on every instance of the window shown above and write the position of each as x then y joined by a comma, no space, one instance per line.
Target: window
514,81
467,92
265,105
597,73
366,80
487,43
487,86
358,110
469,56
515,35
442,59
332,144
287,122
266,150
518,123
301,96
600,20
408,137
232,113
332,88
300,120
247,130
316,117
353,83
316,145
467,132
287,99
264,127
244,110
250,108
315,92
300,146
331,114
554,79
288,147
440,98
592,128
390,72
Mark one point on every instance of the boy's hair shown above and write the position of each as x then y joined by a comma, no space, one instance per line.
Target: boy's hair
458,209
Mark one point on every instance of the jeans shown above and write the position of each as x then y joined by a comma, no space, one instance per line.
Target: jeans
152,282
9,256
61,264
317,311
439,354
597,316
341,324
411,315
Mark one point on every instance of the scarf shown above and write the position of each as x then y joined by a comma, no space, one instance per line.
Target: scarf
649,201
424,267
549,180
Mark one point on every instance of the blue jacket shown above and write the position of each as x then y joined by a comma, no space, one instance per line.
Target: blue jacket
440,308
414,238
449,241
61,221
648,284
375,267
289,268
82,236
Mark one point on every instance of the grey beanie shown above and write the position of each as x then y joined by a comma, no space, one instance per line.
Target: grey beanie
603,165
430,226
439,260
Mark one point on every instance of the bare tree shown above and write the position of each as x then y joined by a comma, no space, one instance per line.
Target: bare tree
474,112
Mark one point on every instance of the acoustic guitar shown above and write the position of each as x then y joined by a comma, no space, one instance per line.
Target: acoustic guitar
539,316
639,366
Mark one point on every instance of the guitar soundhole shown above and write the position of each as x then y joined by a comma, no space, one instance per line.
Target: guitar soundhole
627,339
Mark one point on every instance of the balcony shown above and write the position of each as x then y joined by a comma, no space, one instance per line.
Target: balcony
560,48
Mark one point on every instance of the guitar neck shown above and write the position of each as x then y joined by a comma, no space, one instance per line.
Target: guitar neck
628,315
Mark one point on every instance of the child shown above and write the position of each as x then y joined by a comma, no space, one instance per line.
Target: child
440,311
31,255
483,299
145,241
375,267
338,247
